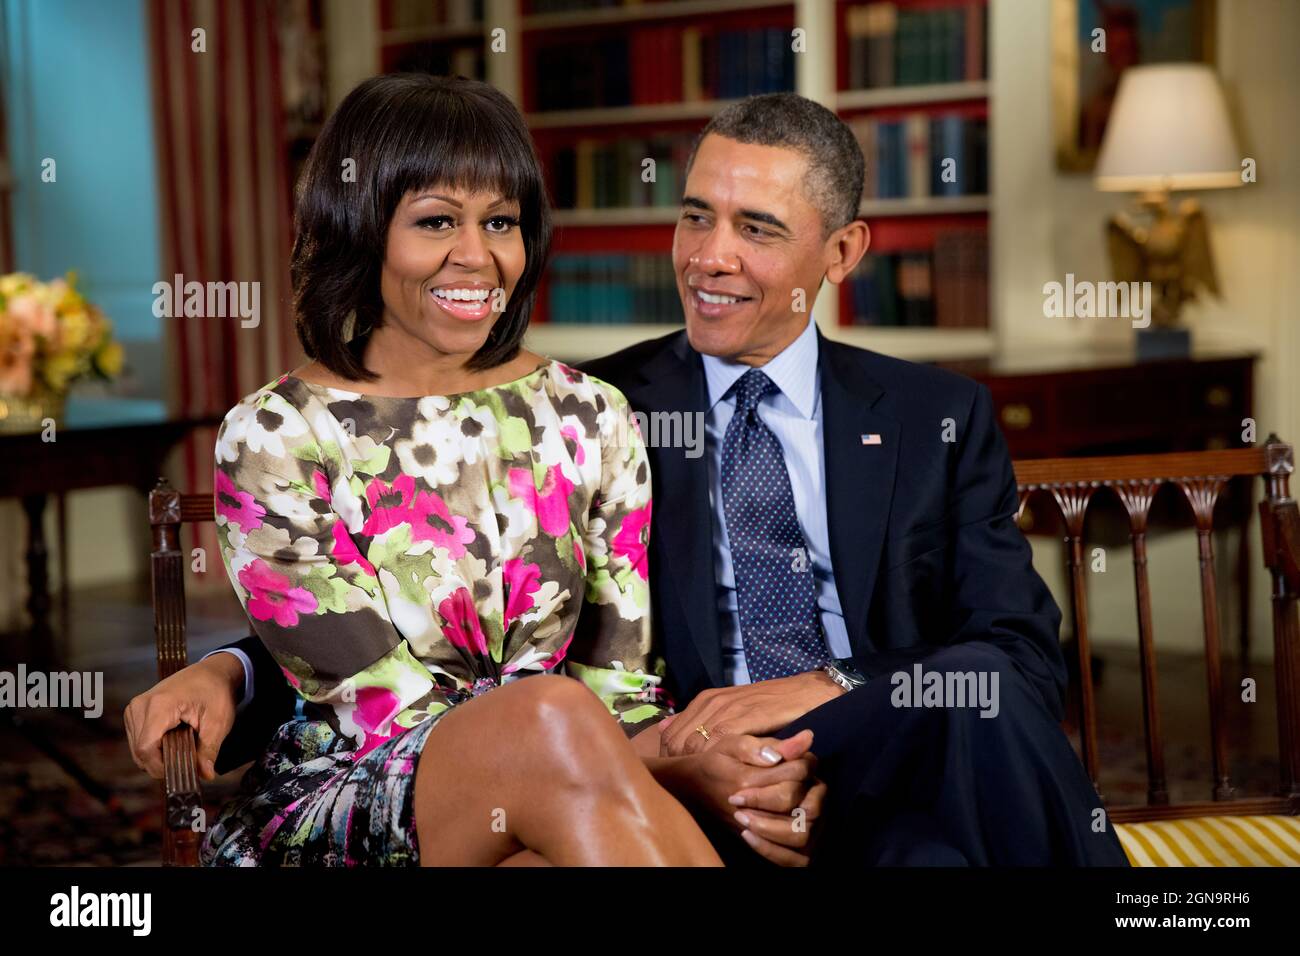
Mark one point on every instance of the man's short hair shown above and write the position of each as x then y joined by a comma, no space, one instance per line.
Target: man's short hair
398,133
836,167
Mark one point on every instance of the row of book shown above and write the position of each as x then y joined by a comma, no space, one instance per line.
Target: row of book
405,14
593,174
920,155
663,65
917,156
604,289
945,287
889,46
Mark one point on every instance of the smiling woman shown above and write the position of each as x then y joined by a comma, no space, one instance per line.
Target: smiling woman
392,212
426,514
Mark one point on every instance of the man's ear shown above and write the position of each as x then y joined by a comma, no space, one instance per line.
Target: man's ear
845,248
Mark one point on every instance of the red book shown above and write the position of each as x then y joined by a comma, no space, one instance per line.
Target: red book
672,60
658,66
642,52
974,42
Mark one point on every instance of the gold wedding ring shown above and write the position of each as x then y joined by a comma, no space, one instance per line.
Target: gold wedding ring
702,732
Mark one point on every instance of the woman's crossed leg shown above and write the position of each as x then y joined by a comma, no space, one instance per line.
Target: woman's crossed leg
538,772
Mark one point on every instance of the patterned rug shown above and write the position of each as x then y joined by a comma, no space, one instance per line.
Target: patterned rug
48,819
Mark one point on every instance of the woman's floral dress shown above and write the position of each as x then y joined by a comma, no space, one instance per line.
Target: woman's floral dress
398,556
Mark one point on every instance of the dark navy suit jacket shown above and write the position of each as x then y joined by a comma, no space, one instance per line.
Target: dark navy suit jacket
923,540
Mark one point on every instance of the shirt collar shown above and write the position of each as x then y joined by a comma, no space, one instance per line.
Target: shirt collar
793,370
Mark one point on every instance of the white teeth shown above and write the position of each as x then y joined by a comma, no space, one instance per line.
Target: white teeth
462,295
716,299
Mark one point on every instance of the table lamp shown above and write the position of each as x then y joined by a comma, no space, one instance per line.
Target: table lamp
1168,130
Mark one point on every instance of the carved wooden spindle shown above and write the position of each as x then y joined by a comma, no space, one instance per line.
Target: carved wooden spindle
1023,494
181,794
1136,496
1280,534
1073,500
1202,493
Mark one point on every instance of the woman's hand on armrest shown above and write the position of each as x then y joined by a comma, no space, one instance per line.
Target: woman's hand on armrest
203,695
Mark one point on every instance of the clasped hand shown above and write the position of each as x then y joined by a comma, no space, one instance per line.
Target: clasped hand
772,803
763,788
761,708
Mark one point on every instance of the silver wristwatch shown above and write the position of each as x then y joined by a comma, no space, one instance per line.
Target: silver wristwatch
842,673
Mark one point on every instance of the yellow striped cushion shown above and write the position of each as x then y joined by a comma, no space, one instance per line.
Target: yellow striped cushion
1213,841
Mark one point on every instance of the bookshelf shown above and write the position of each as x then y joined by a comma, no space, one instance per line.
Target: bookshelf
636,96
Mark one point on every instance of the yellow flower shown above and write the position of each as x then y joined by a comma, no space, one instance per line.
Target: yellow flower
60,369
109,359
49,330
14,283
74,329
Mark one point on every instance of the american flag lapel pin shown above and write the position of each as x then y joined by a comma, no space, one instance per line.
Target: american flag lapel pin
871,439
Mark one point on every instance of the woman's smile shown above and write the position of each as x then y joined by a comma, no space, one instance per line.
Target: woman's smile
468,301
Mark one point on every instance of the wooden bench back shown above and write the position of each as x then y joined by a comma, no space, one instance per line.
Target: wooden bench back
1070,482
1073,483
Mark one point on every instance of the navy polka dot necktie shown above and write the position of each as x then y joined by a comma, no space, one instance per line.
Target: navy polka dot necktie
775,591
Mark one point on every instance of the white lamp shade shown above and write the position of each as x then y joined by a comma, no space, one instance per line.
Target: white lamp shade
1168,129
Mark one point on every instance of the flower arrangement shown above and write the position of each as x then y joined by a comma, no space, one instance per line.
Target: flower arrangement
50,337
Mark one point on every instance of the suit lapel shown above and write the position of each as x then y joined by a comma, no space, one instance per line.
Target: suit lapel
682,533
859,481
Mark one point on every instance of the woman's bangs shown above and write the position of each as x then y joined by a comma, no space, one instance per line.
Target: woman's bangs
463,152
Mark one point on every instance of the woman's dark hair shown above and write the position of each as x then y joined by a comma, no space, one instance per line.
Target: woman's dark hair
404,132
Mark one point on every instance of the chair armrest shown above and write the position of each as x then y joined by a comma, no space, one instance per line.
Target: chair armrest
184,818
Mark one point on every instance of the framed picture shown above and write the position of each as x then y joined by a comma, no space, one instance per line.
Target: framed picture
1095,41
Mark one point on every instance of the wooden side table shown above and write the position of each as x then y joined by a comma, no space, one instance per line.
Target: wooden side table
89,451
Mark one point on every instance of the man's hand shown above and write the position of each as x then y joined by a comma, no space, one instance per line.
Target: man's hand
761,708
203,695
763,788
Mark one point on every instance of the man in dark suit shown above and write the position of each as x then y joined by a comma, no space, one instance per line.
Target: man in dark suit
840,555
859,509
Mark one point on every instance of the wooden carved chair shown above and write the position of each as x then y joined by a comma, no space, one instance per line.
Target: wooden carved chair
1072,483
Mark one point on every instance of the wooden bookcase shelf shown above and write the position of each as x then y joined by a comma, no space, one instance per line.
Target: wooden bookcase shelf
912,95
623,216
616,115
434,33
928,206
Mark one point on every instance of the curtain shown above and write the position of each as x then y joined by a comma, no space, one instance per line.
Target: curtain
224,196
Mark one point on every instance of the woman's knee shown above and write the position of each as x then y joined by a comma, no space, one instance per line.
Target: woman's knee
545,725
566,728
544,731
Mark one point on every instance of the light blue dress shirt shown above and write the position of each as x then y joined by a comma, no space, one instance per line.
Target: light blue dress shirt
794,414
